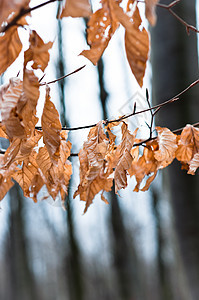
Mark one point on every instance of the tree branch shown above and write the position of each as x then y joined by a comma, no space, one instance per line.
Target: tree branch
169,8
60,78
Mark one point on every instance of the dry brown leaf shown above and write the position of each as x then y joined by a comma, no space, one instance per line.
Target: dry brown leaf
146,165
5,185
150,11
24,175
10,153
27,145
57,177
188,144
77,8
38,52
26,107
194,164
123,157
101,28
93,174
51,127
10,116
10,47
3,131
7,7
167,147
136,41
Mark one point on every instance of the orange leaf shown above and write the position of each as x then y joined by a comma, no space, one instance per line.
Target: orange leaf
93,164
167,147
136,41
10,117
101,28
150,13
10,47
188,144
24,175
57,177
123,158
38,52
194,164
78,8
51,128
5,185
7,7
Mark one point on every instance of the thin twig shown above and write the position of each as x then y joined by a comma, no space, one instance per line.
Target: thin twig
23,12
60,78
134,113
169,8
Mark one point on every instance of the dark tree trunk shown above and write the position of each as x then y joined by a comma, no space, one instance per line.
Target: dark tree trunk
20,278
125,262
175,66
73,263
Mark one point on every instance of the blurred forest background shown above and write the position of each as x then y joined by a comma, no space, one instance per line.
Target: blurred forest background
141,246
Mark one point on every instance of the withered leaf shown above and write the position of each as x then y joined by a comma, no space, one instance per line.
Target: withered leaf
136,41
55,177
10,116
38,52
194,164
10,47
93,175
123,158
7,7
51,128
188,144
24,175
167,147
101,28
78,8
5,185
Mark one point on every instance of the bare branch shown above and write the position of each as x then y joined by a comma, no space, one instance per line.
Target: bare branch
53,81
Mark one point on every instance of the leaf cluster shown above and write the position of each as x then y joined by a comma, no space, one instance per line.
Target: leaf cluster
38,157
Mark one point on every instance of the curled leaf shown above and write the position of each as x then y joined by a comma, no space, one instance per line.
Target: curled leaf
101,28
51,127
10,47
37,52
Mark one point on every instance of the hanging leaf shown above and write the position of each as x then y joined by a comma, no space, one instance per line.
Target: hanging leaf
194,164
26,106
10,117
101,28
51,128
78,8
26,173
55,177
167,147
5,185
10,47
150,11
136,41
37,52
123,157
7,7
93,175
145,165
188,144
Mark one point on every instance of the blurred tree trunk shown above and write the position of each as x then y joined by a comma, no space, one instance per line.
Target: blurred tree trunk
20,278
73,264
175,66
125,261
